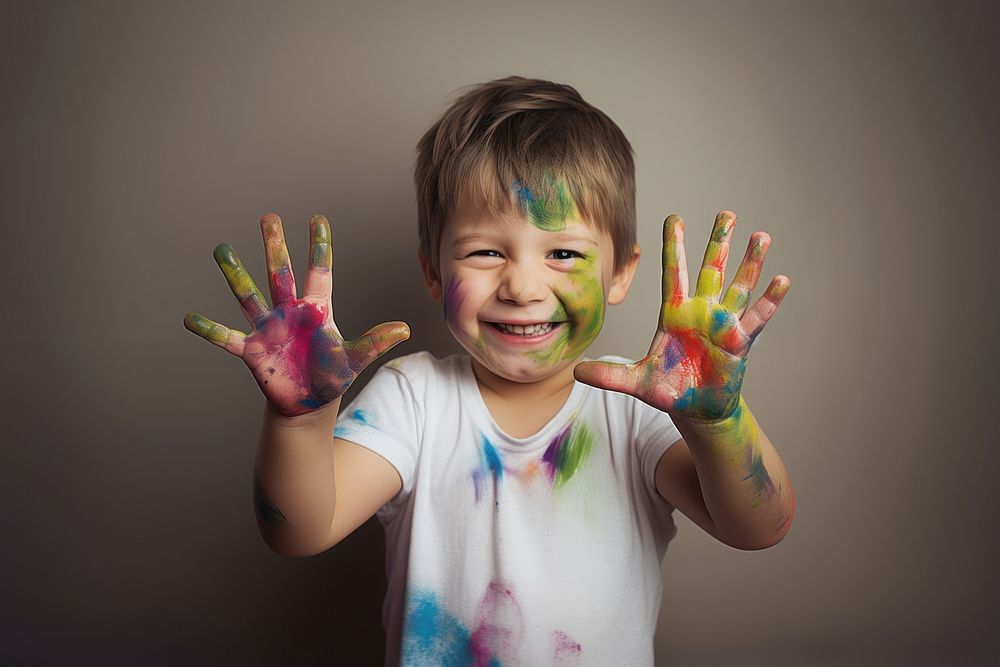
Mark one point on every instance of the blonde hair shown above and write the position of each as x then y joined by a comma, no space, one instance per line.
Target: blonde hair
515,133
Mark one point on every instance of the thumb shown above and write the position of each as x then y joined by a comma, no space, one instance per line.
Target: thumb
605,375
376,341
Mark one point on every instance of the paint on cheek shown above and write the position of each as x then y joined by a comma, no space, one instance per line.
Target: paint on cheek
454,296
548,211
584,305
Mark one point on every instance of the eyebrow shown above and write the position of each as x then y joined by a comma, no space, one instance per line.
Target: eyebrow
555,236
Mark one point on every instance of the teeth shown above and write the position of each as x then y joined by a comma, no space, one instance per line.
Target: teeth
529,330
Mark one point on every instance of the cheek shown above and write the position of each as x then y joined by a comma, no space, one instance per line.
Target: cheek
452,300
582,295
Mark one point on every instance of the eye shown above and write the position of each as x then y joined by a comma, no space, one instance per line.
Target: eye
565,255
485,253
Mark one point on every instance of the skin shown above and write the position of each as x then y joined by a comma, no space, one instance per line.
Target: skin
694,370
512,270
696,363
295,352
549,210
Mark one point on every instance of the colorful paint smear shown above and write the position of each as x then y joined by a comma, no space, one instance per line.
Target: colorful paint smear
452,299
295,352
564,457
357,416
547,207
696,365
567,452
582,307
436,636
490,467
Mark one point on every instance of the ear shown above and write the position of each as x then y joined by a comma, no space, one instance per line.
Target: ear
622,278
430,276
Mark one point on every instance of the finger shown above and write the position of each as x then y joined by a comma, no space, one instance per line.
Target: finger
281,280
226,338
675,273
738,295
754,320
605,375
252,302
375,342
716,254
319,279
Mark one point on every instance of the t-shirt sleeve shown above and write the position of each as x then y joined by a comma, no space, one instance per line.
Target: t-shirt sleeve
655,434
384,418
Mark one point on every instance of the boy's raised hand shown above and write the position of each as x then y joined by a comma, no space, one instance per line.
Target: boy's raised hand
696,362
295,351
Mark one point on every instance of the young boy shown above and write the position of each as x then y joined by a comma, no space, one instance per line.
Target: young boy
526,509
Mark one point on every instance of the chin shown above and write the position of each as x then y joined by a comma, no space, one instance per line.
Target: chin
522,374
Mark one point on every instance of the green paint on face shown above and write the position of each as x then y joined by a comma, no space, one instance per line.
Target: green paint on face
548,211
582,311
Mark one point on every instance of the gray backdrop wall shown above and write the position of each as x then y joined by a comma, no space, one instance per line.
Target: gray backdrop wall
137,136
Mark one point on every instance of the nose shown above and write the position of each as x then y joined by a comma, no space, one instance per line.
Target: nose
521,284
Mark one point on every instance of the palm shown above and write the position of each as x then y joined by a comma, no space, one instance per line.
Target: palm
696,363
295,352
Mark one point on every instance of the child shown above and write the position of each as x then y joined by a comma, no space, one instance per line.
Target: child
526,513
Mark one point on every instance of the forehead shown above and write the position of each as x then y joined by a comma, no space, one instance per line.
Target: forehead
467,226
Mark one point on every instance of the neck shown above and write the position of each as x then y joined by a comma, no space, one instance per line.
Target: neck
557,386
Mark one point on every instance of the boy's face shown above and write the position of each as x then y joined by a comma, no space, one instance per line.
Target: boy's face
525,299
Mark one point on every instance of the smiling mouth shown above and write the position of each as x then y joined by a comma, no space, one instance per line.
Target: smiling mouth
526,330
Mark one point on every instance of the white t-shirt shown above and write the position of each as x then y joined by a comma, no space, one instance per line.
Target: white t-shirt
543,550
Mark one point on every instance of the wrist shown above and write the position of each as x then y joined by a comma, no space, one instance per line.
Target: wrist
320,417
737,427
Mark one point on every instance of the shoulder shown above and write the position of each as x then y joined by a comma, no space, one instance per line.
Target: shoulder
421,369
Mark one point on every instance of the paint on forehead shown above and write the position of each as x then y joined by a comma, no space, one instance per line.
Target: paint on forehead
548,212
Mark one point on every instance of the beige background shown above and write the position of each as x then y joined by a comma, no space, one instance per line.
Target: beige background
137,136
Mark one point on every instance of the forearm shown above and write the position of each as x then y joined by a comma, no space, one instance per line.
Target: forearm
746,488
294,494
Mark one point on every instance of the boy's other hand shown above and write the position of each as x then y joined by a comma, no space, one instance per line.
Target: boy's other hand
295,351
696,362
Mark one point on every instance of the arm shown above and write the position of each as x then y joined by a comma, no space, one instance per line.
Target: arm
725,474
729,480
310,489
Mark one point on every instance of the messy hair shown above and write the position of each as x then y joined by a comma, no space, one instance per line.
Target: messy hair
525,133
